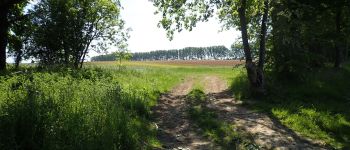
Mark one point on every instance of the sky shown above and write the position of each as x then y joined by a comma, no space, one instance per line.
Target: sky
146,36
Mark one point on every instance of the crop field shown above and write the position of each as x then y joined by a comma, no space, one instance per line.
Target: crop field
182,63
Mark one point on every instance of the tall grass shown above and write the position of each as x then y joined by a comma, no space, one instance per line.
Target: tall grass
86,109
99,107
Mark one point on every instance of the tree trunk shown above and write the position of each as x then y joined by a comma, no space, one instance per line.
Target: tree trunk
18,59
255,73
338,53
83,58
250,66
84,54
262,48
3,35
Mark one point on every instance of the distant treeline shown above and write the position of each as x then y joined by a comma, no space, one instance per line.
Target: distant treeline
188,53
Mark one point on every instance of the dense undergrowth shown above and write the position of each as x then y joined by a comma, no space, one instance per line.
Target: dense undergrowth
316,107
79,109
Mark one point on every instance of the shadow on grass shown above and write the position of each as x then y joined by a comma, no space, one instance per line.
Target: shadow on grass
317,107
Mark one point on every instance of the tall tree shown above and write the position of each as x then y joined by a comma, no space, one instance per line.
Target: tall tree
308,35
65,31
5,7
19,32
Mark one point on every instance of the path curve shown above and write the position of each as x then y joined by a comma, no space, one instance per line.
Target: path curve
266,132
176,131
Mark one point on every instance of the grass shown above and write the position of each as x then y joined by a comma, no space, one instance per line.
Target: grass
104,107
85,109
99,107
222,133
317,108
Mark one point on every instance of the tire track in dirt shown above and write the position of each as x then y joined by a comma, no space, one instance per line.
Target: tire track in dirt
266,132
176,132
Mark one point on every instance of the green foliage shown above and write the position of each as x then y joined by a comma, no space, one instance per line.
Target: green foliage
122,55
239,85
65,31
19,32
179,15
79,109
196,97
307,34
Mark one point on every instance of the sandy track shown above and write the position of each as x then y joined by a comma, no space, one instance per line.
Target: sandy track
177,132
266,132
213,84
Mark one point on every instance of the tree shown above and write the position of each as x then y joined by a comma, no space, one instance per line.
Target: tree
185,14
308,35
5,22
65,31
196,53
122,55
19,33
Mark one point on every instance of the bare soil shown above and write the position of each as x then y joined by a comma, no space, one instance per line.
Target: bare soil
177,132
229,63
224,63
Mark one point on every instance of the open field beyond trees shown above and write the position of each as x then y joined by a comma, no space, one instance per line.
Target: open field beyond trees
178,63
126,108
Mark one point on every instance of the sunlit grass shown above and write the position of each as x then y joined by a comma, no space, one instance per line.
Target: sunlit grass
103,106
86,109
316,108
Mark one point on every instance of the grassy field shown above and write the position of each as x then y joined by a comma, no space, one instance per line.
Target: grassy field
99,107
86,109
104,106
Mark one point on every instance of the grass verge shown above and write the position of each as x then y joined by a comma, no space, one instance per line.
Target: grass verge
316,108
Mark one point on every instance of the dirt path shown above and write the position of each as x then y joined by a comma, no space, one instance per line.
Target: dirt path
176,132
267,133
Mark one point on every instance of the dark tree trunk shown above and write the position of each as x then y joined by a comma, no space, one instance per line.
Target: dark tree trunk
262,48
250,65
244,32
83,58
338,53
84,53
255,73
4,10
18,58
